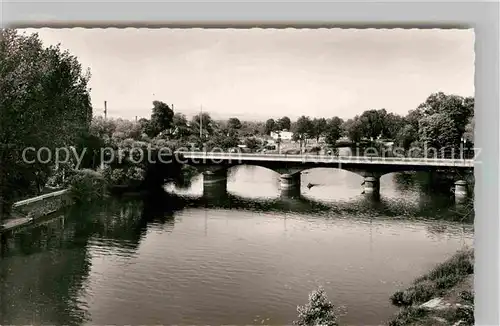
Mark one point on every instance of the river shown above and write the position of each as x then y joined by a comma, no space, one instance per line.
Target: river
249,258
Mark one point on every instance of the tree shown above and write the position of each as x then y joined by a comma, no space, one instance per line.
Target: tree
438,131
319,127
333,131
252,143
128,128
270,126
252,128
353,129
406,136
102,128
413,117
161,118
144,124
457,108
392,124
469,131
208,126
284,123
302,129
44,102
180,125
373,123
222,140
234,123
319,311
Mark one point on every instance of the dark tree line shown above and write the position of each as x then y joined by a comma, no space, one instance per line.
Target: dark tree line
441,121
44,102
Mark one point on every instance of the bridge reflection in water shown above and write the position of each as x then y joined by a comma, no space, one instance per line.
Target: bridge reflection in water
89,256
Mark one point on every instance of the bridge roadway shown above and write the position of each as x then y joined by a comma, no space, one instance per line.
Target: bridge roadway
213,157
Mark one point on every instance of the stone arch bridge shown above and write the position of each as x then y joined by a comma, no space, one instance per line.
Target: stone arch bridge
214,166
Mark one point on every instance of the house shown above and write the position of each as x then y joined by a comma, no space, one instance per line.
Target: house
283,135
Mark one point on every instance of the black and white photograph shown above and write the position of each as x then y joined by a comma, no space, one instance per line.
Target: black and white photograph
237,176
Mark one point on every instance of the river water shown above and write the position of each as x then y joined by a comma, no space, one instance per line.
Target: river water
249,258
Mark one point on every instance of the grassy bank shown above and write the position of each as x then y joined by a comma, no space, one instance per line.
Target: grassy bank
443,296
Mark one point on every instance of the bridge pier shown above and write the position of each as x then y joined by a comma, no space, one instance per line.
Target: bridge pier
461,191
290,185
372,185
215,183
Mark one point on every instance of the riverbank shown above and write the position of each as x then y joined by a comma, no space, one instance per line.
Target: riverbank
30,210
444,296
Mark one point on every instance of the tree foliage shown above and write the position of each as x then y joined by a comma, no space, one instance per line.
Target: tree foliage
252,128
181,126
234,123
208,126
333,131
372,122
44,101
284,123
450,114
319,311
406,136
302,129
161,118
438,131
392,124
353,128
270,126
469,131
318,128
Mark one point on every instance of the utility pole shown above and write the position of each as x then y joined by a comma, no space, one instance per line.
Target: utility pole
135,118
105,109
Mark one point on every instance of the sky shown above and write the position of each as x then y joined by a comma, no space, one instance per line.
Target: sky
256,74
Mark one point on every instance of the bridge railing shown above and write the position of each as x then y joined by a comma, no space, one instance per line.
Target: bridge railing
312,158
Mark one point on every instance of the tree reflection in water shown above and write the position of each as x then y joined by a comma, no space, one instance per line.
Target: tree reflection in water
59,252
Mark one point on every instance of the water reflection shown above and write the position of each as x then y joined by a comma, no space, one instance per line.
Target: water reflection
193,257
42,272
400,193
44,269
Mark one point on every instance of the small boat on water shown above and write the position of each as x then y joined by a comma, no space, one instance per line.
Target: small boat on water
310,185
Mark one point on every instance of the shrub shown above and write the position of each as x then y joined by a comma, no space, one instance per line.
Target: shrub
123,176
134,174
87,185
441,278
467,297
318,311
62,176
117,176
461,264
408,316
448,281
420,292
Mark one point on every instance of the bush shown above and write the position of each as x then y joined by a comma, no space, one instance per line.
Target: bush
420,292
408,316
117,177
87,185
448,281
318,311
439,279
61,177
123,176
135,174
461,264
467,297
